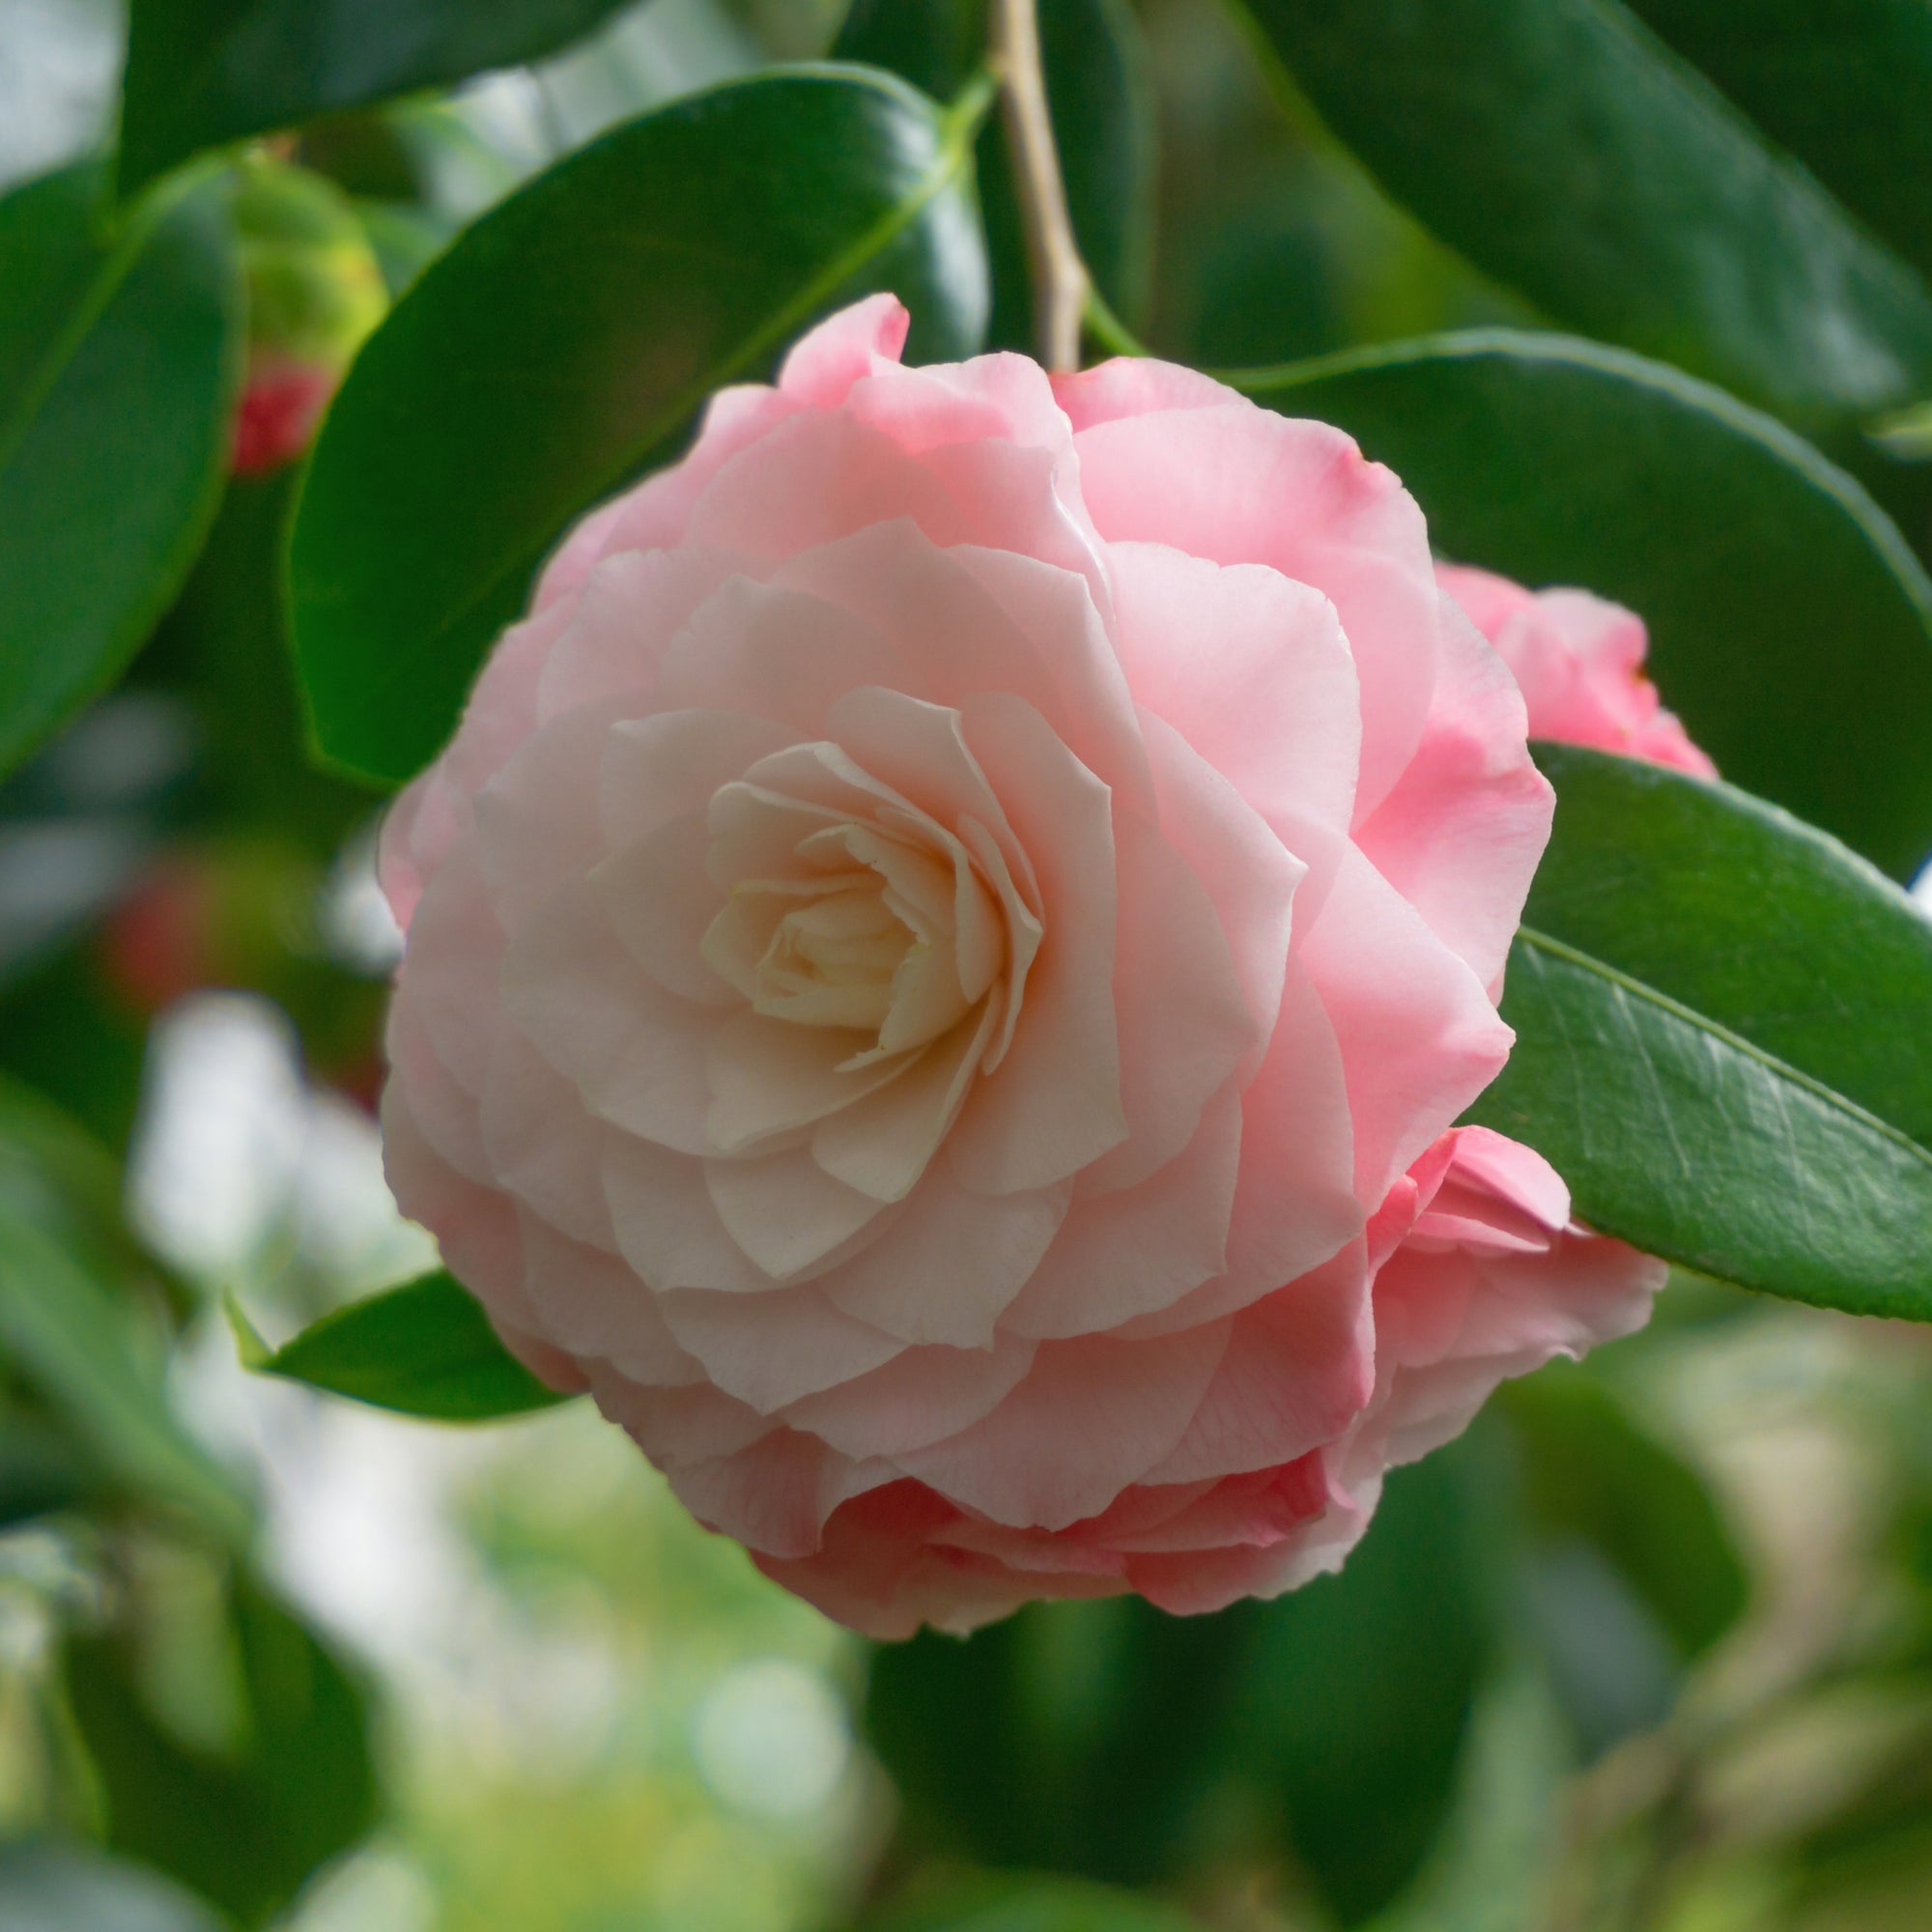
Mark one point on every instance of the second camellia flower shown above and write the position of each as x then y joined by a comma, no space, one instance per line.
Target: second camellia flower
942,964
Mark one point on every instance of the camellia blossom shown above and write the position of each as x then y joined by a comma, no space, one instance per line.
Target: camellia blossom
941,962
1578,661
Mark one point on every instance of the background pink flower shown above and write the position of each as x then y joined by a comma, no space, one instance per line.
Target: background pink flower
942,963
1579,660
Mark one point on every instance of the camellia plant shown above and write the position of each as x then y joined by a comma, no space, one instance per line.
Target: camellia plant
1034,966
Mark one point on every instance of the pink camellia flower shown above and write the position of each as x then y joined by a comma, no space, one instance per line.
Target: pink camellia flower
941,961
1578,661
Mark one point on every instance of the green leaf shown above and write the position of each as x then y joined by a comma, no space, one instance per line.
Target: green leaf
201,73
120,358
425,1348
1721,1039
1326,1727
1029,1905
1101,90
1568,153
1842,83
1751,558
1354,1704
1589,1471
75,1342
246,1826
564,344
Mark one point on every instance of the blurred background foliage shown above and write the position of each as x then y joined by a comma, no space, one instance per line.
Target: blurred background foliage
1650,1651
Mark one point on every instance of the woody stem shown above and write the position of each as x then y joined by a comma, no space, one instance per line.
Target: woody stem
1059,274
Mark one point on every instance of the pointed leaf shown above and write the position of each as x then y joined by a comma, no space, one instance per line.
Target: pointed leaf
1721,1039
1754,561
565,342
1563,149
120,358
425,1348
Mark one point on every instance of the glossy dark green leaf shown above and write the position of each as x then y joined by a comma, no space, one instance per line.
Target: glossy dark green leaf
245,1827
1086,1737
1565,150
201,73
119,356
1029,1905
1790,625
425,1348
1843,84
1354,1706
1589,1471
564,343
1721,1042
1101,92
76,1343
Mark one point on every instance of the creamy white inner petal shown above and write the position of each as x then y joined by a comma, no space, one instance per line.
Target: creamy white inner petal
881,931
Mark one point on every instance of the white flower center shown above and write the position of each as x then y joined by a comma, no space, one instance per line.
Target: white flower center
864,931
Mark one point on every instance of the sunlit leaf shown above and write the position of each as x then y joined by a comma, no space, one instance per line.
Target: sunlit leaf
1790,624
425,1348
565,342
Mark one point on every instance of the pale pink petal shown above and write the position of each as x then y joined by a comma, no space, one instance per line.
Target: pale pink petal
921,1395
1298,1368
590,1303
1234,483
541,1144
622,622
1419,1036
1135,385
826,361
953,1261
785,1210
659,901
537,819
666,1227
773,1350
1252,669
1461,834
664,766
773,654
634,1051
1135,1252
1184,1024
1054,1104
1252,880
1094,1415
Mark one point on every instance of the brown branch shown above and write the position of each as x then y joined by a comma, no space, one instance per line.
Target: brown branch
1059,274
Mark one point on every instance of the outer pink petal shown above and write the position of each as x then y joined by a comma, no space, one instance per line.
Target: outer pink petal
1237,483
826,361
1461,834
1092,1416
1420,1038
